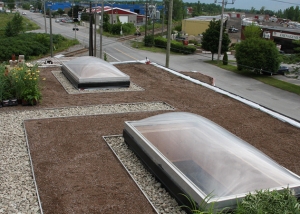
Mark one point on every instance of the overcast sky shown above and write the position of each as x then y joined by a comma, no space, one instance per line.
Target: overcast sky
257,4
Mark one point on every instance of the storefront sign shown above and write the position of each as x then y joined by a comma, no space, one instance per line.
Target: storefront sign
286,36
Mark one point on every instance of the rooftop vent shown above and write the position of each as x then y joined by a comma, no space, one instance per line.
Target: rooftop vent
92,72
191,155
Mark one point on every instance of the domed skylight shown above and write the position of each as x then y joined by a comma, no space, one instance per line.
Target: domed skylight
191,155
90,72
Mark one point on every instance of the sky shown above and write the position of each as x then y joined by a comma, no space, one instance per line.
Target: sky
273,5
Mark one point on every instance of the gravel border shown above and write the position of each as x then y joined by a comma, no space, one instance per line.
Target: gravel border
17,188
152,189
70,89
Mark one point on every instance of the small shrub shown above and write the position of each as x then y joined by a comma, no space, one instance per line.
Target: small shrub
265,201
149,41
225,59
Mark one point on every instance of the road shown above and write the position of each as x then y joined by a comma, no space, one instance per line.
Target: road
270,97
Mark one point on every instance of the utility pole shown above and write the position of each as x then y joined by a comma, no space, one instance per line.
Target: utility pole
51,38
163,18
91,33
101,28
169,32
95,30
146,18
45,16
224,3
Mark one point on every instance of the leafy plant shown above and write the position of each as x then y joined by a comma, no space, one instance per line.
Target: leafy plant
266,201
202,208
225,59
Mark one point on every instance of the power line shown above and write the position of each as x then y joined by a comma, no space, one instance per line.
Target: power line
286,2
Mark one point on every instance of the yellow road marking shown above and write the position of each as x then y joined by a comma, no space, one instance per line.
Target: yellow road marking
125,54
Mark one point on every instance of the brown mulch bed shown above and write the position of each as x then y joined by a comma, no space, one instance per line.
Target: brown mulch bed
77,172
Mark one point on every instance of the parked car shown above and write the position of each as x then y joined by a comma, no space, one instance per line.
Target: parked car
283,69
233,30
23,13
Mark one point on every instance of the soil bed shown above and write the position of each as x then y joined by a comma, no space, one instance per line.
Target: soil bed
77,172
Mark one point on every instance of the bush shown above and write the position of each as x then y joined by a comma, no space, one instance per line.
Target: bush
265,201
177,47
225,59
149,41
128,28
116,29
30,45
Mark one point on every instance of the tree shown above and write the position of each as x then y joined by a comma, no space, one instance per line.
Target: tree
252,11
60,11
15,26
225,59
252,31
257,54
11,4
210,39
262,10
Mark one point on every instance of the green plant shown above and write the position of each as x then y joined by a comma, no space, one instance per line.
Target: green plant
17,76
202,208
3,81
105,57
32,90
225,59
266,201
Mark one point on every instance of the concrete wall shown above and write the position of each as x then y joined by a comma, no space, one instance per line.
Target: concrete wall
194,27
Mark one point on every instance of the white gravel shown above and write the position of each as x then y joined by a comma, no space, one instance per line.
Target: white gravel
152,189
17,189
71,90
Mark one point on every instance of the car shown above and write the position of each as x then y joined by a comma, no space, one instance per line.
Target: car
283,69
23,13
233,30
57,20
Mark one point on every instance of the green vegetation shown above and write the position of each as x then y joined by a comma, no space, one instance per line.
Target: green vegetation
210,39
262,78
257,54
265,201
252,31
32,45
261,202
27,24
22,82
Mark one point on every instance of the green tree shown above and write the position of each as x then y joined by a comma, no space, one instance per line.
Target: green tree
257,54
60,11
26,6
15,26
210,39
297,44
10,4
225,59
252,31
252,11
262,10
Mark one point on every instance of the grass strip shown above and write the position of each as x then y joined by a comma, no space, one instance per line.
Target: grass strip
269,80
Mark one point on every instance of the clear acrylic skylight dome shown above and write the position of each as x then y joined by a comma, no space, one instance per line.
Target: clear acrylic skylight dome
89,71
204,159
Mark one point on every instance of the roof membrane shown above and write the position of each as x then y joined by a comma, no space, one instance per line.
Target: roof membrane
88,71
205,159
